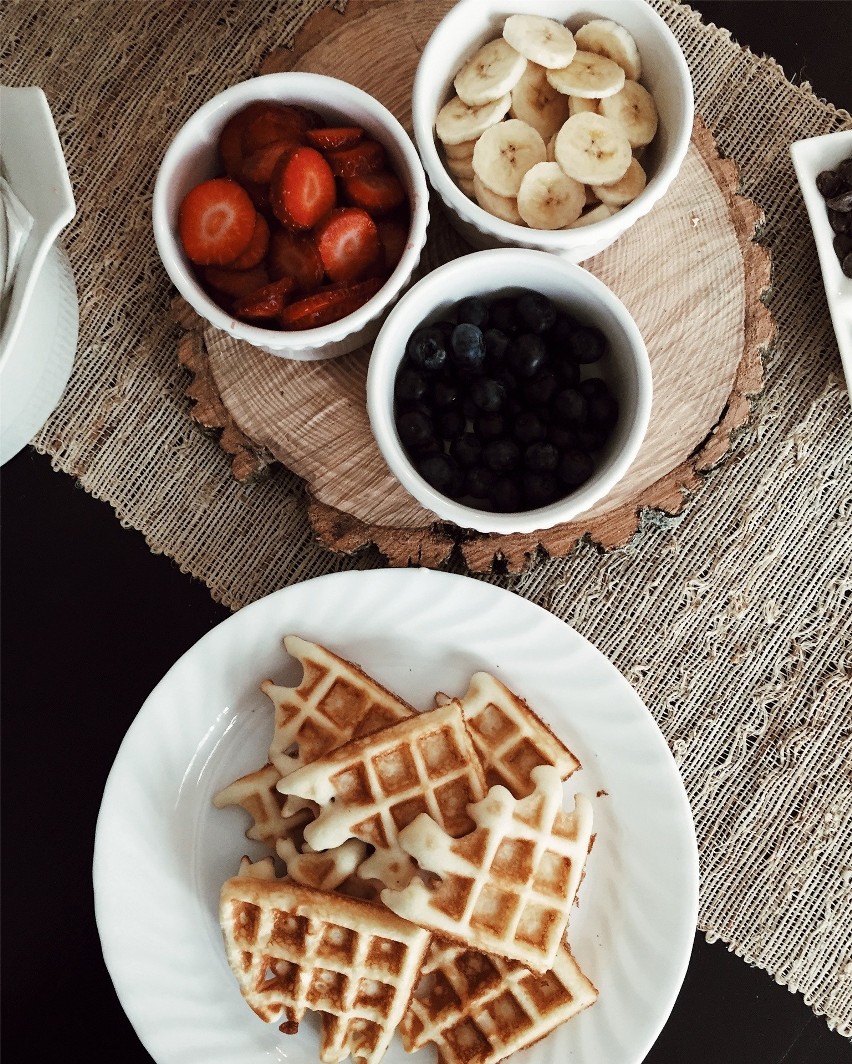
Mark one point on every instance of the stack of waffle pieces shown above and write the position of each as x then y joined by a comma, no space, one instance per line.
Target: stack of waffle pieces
422,869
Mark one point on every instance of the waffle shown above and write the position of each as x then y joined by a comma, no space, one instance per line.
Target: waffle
373,787
509,737
294,949
507,887
477,1008
324,871
335,701
257,794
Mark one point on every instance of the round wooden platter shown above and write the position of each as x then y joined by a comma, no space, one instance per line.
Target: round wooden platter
689,272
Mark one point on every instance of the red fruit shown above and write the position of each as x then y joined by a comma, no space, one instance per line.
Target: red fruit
256,251
334,138
231,138
216,222
302,189
260,165
310,118
266,303
329,304
272,122
365,158
295,255
348,244
393,235
234,283
378,193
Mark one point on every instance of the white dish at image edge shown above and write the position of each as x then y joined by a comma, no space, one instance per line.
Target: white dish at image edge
162,851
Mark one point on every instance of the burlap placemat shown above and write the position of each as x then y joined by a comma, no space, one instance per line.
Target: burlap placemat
733,621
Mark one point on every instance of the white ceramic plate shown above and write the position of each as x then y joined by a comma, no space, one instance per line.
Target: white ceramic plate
810,157
162,851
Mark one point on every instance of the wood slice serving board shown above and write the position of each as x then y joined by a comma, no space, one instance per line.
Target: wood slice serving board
689,272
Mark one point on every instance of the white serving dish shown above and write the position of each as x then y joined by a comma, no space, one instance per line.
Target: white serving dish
811,157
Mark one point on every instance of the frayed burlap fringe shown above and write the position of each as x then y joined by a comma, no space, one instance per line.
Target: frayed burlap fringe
733,620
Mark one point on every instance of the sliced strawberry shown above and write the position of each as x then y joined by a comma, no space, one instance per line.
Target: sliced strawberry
231,138
216,222
348,244
393,234
266,303
274,122
378,193
309,117
259,166
255,253
302,189
259,194
334,138
295,255
234,283
329,304
365,158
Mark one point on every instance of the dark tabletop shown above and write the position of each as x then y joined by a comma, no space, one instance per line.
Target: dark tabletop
91,620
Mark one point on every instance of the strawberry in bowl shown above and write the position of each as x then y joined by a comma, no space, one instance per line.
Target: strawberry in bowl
290,211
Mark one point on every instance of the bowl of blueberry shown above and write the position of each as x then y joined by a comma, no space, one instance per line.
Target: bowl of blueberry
509,391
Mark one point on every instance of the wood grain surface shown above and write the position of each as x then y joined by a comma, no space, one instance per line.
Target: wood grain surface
690,273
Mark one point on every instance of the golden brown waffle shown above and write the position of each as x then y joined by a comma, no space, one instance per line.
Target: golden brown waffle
323,871
294,949
511,739
335,701
477,1008
256,793
508,886
373,787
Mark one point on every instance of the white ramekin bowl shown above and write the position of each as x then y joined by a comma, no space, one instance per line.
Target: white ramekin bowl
505,272
192,157
469,25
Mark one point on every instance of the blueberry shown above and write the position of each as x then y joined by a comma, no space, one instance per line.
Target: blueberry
474,311
502,454
570,404
587,344
541,457
602,410
466,450
410,385
528,427
488,395
575,468
593,386
437,469
562,436
591,437
445,393
478,481
567,370
496,344
536,312
467,347
427,348
559,336
504,316
539,390
540,488
489,426
527,355
506,496
449,422
415,429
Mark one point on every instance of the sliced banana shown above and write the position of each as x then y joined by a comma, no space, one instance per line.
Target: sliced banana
578,104
605,37
624,190
589,75
592,149
550,148
596,214
536,102
633,108
541,40
466,185
548,198
460,151
457,122
505,152
504,207
460,168
490,73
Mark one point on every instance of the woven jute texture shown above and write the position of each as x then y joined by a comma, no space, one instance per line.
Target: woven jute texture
733,620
